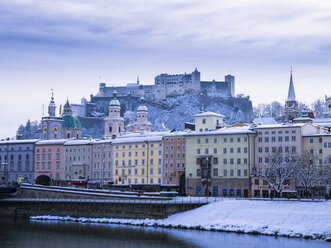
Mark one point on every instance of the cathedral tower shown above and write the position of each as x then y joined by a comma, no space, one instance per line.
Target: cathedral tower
114,123
142,123
291,105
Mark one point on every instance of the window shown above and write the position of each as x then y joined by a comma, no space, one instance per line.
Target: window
215,172
225,161
266,139
260,159
203,121
215,150
287,138
238,173
231,173
280,139
245,160
198,151
225,173
294,149
238,150
238,160
273,139
266,149
293,138
198,141
206,140
225,140
215,140
260,139
198,173
231,160
238,139
260,149
231,150
215,160
245,149
231,140
224,150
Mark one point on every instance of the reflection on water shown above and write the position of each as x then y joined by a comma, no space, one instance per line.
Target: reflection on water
40,234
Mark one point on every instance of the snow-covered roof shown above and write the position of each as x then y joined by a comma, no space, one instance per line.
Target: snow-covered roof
302,119
137,139
224,131
9,142
78,142
145,134
281,125
51,142
209,113
264,120
142,108
101,141
322,120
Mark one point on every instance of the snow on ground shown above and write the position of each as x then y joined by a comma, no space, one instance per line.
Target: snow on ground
292,219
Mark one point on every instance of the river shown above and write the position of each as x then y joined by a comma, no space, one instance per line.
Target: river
40,234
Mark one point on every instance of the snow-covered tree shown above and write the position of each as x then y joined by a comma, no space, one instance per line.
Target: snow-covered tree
317,107
278,171
307,172
30,130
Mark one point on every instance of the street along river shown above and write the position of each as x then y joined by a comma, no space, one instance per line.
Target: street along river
40,234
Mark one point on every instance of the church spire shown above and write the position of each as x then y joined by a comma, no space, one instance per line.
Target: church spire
291,93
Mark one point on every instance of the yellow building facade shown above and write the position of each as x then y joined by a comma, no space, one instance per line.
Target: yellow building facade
138,160
319,145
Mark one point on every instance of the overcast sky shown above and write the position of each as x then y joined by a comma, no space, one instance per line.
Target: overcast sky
69,45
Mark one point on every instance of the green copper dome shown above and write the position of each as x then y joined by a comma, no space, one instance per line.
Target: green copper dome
70,121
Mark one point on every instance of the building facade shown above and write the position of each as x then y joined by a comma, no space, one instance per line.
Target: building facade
138,160
77,159
49,160
319,146
174,157
102,166
17,161
219,162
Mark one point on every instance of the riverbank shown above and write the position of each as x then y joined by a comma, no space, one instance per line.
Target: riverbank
311,220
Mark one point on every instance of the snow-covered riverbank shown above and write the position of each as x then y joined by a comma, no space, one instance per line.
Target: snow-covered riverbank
292,219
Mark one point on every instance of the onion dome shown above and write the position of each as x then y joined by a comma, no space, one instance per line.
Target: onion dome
142,107
114,102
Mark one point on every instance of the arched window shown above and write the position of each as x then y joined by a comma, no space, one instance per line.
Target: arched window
110,129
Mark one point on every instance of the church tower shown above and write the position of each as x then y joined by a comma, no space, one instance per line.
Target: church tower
142,123
114,123
291,105
51,124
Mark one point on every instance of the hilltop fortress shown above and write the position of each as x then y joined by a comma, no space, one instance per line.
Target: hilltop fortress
166,85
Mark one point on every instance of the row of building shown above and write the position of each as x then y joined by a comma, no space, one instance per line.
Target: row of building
209,157
212,160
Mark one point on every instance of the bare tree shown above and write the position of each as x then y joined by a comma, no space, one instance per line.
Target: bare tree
279,170
307,172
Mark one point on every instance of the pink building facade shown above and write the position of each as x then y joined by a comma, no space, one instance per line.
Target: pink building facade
49,160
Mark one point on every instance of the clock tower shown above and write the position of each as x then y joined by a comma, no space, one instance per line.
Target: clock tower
51,124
